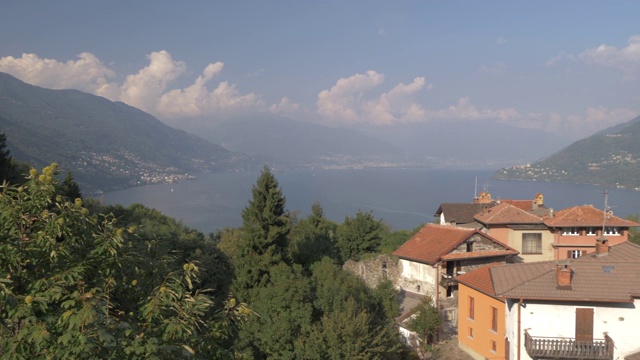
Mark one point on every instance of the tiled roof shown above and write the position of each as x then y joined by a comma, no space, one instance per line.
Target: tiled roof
585,215
460,213
507,214
479,279
478,254
433,241
525,205
609,278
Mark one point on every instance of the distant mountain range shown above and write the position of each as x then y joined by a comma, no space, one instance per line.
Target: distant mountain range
463,144
610,157
105,144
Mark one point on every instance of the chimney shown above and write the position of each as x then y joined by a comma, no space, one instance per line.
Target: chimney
602,247
539,198
563,273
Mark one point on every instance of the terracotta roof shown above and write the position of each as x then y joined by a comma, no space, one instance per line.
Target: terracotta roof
507,214
461,213
478,254
585,215
479,279
609,278
432,242
526,205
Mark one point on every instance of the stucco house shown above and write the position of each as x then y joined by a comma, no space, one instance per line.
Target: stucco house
432,258
520,229
584,308
576,229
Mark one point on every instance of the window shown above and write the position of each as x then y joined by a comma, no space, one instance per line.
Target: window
570,231
494,319
591,231
532,243
611,231
471,332
574,254
494,346
472,305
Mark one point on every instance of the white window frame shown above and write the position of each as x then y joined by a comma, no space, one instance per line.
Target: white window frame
592,231
527,237
571,231
611,231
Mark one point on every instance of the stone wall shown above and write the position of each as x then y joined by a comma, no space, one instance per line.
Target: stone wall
374,271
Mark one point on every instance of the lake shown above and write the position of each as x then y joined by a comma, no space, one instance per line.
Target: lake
403,198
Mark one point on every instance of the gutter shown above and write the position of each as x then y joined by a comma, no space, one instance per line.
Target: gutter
519,307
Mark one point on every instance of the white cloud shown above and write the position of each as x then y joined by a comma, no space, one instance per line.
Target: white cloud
501,41
87,73
148,89
465,110
611,56
346,101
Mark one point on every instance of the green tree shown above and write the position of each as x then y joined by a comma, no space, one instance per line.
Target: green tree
264,241
634,233
359,235
312,238
69,287
69,188
426,321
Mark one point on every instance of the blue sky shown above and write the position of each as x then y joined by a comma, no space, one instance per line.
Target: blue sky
567,67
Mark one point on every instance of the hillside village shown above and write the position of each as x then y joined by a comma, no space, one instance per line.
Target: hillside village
514,279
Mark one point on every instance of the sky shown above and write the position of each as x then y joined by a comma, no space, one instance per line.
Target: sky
566,67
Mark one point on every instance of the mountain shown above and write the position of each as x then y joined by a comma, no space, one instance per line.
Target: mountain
469,144
105,144
297,143
479,145
610,157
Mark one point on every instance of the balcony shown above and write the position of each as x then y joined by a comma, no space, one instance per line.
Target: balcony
568,348
448,280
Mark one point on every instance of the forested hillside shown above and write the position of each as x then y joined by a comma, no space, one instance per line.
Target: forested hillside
610,157
105,144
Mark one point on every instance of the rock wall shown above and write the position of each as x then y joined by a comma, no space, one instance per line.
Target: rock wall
374,271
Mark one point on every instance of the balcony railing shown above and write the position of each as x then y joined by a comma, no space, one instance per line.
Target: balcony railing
568,348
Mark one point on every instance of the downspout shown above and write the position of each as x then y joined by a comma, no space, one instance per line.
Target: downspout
438,279
519,307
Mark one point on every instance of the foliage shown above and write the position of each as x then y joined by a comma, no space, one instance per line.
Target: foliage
634,233
426,320
69,188
312,238
70,287
284,316
392,240
264,241
11,171
359,235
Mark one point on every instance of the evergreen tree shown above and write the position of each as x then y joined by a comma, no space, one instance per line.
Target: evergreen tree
69,188
264,239
7,167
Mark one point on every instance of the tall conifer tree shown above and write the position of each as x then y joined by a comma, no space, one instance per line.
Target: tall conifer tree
264,242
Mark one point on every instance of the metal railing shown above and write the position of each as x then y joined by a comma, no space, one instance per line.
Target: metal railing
568,348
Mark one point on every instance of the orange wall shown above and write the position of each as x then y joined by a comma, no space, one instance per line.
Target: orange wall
483,335
580,240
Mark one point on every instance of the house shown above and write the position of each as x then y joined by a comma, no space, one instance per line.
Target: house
481,326
520,229
584,308
462,214
576,229
432,258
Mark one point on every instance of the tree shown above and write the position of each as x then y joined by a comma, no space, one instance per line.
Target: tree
312,238
634,233
425,321
359,235
69,188
71,287
265,227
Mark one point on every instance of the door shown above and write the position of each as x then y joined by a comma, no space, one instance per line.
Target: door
584,325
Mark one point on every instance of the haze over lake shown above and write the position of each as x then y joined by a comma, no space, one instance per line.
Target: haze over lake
403,198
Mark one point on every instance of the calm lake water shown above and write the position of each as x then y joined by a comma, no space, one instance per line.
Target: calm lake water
403,198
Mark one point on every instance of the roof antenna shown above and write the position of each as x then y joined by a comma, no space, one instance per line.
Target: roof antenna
475,190
606,210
